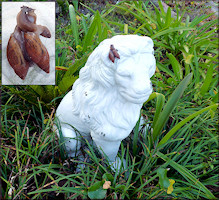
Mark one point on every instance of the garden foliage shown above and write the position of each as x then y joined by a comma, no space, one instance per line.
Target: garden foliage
174,157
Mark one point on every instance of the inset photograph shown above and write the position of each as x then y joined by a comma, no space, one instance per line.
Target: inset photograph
28,43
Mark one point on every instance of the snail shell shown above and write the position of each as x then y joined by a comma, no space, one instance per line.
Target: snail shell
113,53
16,58
111,56
17,55
36,50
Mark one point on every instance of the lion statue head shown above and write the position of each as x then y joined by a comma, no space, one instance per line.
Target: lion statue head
107,97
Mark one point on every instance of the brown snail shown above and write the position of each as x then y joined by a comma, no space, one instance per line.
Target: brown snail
25,47
113,53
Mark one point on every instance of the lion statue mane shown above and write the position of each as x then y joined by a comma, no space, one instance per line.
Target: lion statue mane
105,101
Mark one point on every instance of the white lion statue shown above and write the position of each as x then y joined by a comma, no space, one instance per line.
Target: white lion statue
105,101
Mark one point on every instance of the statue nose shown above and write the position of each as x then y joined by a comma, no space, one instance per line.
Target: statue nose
143,87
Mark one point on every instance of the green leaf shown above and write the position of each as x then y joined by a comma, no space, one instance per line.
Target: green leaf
135,14
26,153
96,191
207,80
198,19
176,66
99,26
38,89
160,23
159,106
74,25
108,177
165,69
66,83
170,105
188,175
135,138
163,179
75,3
183,122
168,17
161,8
88,40
152,96
69,78
120,187
69,31
170,30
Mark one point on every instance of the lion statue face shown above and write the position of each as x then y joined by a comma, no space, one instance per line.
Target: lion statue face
133,78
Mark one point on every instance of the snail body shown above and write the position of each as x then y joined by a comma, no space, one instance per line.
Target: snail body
25,47
26,19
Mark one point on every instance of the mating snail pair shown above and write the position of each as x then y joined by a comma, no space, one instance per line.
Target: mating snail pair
25,47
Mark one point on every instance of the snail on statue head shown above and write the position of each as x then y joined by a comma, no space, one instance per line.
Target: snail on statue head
106,100
24,46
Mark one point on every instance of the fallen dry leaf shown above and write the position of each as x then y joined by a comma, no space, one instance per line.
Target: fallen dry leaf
106,185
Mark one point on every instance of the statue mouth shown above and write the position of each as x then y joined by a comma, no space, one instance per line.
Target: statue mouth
136,98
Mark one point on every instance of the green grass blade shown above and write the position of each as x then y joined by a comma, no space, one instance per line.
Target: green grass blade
69,78
207,80
168,17
17,146
187,174
88,40
41,113
183,122
152,96
159,106
75,3
93,11
84,25
145,183
135,138
165,69
135,14
66,83
74,25
158,17
26,153
170,105
198,19
176,66
161,8
170,30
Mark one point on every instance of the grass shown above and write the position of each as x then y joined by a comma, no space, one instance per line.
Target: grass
175,157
